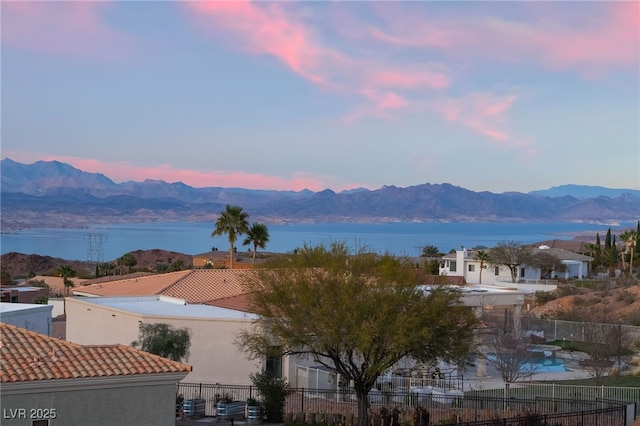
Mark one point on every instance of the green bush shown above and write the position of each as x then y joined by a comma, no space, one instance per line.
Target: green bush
544,297
274,393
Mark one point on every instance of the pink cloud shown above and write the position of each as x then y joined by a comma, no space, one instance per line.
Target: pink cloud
483,113
273,28
612,41
554,35
73,28
264,29
122,171
408,80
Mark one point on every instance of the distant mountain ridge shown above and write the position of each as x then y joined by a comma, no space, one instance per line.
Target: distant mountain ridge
55,194
584,191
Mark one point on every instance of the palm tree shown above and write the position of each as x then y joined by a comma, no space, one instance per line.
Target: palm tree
628,239
258,235
483,257
66,272
232,221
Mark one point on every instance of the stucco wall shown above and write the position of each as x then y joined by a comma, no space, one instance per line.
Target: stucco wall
213,355
31,317
152,405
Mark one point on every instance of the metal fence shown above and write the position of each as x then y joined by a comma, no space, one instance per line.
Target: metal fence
556,391
575,331
340,406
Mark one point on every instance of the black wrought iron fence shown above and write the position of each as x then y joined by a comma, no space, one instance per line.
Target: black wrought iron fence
340,407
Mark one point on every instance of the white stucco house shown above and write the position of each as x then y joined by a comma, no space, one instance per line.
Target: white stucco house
465,264
214,356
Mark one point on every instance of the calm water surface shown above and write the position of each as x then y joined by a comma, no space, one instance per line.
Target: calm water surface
194,238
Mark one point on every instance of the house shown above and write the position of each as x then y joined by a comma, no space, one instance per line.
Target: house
22,294
28,316
214,305
47,381
464,263
220,259
56,284
213,331
195,286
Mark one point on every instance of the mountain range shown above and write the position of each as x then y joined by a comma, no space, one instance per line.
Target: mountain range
55,194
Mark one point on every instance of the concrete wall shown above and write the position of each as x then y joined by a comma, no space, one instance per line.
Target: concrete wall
124,405
213,355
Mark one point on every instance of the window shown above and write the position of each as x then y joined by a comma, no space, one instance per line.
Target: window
453,267
472,268
496,271
521,272
274,361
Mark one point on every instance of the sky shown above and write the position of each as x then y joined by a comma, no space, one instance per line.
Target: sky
291,95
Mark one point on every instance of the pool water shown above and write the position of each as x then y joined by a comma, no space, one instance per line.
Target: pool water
539,365
544,365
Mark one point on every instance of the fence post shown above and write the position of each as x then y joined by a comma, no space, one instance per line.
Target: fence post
200,391
302,400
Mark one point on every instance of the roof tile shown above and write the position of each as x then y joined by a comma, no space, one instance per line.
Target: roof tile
194,286
29,356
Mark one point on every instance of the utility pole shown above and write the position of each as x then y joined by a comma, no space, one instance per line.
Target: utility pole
95,247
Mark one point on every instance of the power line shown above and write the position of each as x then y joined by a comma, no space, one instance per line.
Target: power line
95,247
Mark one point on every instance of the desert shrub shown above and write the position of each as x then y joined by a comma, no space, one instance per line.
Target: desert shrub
568,315
568,290
591,284
626,280
41,300
544,297
38,283
626,297
580,301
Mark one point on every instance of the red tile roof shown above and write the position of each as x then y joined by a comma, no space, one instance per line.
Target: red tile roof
194,286
28,356
242,302
148,285
203,285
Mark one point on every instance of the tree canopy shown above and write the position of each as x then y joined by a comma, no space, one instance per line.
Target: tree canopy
511,254
258,235
355,312
232,221
164,340
547,263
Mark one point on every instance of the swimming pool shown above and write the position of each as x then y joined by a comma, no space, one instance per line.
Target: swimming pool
539,365
544,365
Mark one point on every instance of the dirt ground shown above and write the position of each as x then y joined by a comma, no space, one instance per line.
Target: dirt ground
610,305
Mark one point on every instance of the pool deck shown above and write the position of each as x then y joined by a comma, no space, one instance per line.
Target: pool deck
493,379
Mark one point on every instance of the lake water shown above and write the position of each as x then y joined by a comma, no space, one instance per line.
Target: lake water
194,238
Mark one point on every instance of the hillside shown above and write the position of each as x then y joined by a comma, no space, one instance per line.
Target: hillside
23,265
605,304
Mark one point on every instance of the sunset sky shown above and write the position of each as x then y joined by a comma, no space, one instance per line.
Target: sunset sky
490,96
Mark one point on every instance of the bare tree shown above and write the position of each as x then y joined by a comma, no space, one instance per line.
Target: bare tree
547,263
510,254
604,342
509,351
